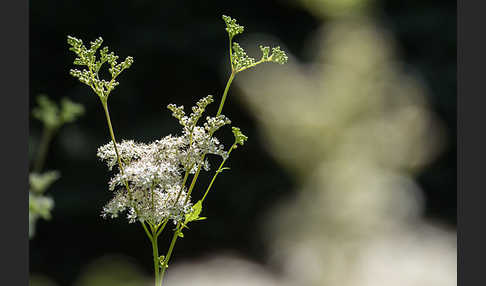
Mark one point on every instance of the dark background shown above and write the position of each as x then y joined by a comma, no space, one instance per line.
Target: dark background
179,48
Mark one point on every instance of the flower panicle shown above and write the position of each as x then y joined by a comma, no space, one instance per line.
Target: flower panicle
154,171
87,57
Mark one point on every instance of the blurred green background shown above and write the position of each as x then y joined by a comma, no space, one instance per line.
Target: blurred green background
180,52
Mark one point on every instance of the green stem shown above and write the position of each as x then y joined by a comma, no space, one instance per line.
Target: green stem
223,99
194,179
152,194
147,232
186,175
162,228
47,135
254,64
169,253
225,93
231,53
156,256
217,173
220,109
221,105
104,102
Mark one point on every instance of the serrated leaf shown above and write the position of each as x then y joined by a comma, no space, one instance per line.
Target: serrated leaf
194,215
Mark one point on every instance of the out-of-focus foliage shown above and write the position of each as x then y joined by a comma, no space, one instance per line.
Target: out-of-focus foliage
40,206
39,183
53,117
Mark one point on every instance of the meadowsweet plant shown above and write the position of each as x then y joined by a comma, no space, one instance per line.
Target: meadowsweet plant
153,183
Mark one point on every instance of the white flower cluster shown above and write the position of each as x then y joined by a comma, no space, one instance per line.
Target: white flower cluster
154,172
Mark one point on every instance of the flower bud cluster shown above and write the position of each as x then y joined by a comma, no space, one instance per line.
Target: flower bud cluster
197,111
87,57
240,138
232,27
212,124
240,58
277,56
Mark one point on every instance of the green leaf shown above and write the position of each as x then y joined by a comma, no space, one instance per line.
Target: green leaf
39,183
194,215
47,111
70,111
54,116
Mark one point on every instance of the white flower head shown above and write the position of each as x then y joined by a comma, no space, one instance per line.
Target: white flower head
154,172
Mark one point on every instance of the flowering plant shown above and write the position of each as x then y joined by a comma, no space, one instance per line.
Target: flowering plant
150,181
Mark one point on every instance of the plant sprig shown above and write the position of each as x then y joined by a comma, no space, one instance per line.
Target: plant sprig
53,117
239,59
87,57
151,183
